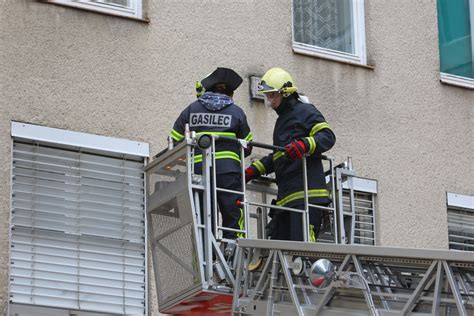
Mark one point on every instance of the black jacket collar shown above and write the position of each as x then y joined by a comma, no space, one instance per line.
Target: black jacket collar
287,104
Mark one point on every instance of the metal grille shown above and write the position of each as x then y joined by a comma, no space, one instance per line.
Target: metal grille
174,247
78,230
461,229
176,265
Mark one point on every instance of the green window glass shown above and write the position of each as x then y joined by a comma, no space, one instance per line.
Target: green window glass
456,47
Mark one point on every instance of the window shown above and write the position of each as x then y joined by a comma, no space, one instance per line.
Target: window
456,47
460,221
364,221
365,191
332,29
77,222
130,8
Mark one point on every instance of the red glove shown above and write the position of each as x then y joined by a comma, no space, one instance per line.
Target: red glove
250,173
296,149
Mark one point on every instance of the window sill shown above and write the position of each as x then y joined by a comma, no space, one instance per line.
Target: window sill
119,15
458,81
306,52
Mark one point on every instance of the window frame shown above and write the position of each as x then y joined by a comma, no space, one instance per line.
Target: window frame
456,80
76,141
136,11
360,55
451,79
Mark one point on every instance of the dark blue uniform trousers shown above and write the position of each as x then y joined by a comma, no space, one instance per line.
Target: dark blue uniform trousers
289,225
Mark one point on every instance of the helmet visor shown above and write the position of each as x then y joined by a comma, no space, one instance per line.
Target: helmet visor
263,87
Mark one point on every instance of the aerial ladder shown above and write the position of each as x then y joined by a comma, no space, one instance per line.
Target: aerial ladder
195,276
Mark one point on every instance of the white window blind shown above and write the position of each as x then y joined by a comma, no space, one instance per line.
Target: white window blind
365,192
460,221
78,229
364,202
461,229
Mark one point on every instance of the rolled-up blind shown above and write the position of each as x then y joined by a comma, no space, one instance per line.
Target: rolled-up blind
461,229
364,203
78,229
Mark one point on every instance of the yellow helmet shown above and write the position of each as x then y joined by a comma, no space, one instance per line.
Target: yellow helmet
277,79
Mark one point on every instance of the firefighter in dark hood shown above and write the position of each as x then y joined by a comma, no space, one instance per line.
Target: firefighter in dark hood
214,112
303,131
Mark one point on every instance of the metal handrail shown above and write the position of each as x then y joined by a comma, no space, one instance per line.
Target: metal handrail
246,202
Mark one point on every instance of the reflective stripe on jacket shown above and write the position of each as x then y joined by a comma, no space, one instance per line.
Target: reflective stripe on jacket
229,121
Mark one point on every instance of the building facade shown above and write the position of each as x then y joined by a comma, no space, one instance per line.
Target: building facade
382,72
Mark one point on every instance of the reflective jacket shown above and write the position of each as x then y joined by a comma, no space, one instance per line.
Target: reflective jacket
215,113
299,121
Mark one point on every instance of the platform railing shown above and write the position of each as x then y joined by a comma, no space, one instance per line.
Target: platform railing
367,280
181,198
263,191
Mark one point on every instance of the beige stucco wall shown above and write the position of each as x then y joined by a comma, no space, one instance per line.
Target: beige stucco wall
93,73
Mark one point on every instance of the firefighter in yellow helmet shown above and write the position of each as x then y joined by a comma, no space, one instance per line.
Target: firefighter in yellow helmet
303,131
